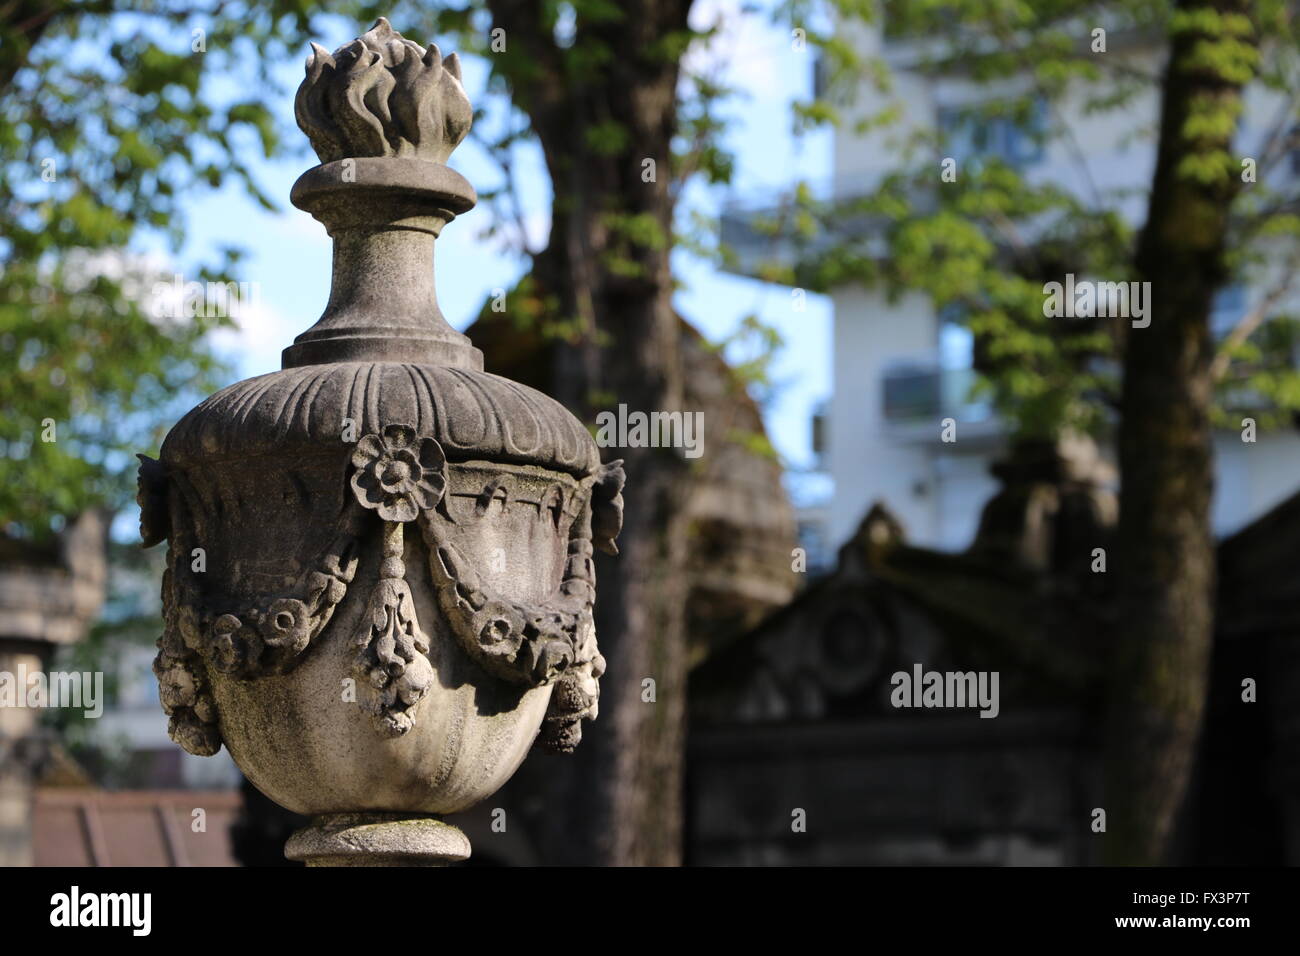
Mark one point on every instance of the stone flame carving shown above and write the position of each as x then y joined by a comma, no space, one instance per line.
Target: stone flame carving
383,95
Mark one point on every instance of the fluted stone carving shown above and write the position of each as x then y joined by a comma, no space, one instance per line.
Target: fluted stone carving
379,589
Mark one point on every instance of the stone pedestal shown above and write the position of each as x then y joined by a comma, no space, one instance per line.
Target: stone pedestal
378,839
20,748
48,597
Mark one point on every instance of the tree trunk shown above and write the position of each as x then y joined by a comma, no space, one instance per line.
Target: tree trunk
1165,572
22,23
618,799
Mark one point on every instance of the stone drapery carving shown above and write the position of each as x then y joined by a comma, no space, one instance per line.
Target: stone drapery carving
536,644
261,637
401,478
392,648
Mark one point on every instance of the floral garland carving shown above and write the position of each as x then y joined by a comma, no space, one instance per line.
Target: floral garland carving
402,478
553,642
266,638
577,693
183,686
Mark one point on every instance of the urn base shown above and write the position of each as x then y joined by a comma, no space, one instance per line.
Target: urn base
378,839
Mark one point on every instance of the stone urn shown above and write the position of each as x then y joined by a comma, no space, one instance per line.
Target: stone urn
379,588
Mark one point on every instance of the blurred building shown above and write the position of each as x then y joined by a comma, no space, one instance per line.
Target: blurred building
902,367
49,597
74,826
799,756
114,790
964,556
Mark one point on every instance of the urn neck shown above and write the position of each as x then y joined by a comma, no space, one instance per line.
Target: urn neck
384,215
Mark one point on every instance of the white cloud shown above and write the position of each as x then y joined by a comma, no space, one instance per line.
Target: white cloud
260,334
758,56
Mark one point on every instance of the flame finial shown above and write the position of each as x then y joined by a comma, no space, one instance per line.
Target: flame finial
383,95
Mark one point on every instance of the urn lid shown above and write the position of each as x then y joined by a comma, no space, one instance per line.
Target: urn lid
309,409
383,114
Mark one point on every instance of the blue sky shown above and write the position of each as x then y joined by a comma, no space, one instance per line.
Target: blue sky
289,253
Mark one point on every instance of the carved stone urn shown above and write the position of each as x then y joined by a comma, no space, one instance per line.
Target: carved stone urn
379,588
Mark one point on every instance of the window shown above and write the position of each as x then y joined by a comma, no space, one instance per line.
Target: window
911,393
1017,141
819,434
821,77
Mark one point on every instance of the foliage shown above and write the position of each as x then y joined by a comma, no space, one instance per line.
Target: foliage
111,117
985,243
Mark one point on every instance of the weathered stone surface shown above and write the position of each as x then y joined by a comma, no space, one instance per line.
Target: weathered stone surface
379,588
303,412
49,595
378,839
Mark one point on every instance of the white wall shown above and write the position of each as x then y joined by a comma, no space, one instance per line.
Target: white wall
1251,479
870,334
935,489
